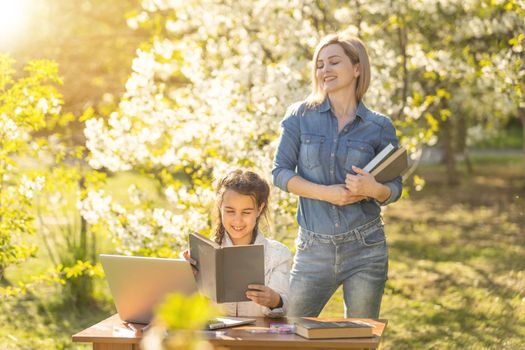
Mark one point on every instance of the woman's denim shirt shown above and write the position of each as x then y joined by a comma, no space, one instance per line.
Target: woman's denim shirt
311,147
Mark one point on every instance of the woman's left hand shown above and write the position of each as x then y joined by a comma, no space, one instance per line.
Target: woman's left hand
263,295
362,184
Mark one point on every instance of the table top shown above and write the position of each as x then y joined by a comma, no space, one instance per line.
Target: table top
114,330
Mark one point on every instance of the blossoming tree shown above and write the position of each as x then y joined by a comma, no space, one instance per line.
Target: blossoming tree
39,170
207,94
25,106
208,91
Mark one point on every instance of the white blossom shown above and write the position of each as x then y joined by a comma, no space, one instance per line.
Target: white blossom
8,128
238,74
28,187
95,206
42,105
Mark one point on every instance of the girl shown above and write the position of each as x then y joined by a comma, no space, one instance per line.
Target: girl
325,142
242,199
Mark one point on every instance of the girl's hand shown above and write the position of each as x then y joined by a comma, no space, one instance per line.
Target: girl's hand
340,195
364,184
186,256
263,295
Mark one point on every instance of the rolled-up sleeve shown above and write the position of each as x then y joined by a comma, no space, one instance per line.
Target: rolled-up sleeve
389,136
285,160
279,281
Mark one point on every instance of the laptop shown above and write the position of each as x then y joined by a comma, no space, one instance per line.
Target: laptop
138,284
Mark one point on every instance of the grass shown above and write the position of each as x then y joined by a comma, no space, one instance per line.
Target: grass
457,262
44,319
456,274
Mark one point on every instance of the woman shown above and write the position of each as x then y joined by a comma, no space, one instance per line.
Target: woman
325,142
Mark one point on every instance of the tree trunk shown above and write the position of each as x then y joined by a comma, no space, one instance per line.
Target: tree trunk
403,42
521,115
468,163
448,152
93,245
461,135
81,287
461,143
83,244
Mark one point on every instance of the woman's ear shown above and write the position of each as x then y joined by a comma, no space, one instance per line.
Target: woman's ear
357,70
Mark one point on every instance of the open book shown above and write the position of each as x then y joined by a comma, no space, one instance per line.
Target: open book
224,273
388,164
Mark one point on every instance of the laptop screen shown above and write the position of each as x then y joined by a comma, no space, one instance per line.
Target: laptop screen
139,284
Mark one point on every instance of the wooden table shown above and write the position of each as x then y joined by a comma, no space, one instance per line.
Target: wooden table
113,334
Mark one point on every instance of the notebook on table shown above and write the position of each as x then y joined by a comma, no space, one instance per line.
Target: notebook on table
225,322
211,325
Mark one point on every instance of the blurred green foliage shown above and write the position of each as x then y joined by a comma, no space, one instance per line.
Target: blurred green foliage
187,312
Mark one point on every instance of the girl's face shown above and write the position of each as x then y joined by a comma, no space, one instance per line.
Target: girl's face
335,70
239,214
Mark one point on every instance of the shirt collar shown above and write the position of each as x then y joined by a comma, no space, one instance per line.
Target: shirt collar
227,242
361,112
325,106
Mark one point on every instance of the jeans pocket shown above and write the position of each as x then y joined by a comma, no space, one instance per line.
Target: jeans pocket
310,150
373,236
302,243
358,153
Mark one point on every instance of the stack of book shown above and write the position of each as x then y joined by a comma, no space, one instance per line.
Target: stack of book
388,164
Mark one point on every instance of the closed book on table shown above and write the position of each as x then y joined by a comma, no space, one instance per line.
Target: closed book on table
312,328
224,273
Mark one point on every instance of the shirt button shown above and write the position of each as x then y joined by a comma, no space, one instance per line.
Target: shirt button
332,154
331,171
336,225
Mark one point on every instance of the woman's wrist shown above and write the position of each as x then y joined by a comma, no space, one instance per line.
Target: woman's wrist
381,192
321,192
307,189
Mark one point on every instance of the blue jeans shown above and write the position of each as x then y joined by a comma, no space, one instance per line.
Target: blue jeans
357,259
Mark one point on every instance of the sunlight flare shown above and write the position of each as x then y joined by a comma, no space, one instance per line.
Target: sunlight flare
13,19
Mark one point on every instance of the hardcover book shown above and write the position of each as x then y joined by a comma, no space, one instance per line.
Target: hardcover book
312,328
381,156
224,273
388,164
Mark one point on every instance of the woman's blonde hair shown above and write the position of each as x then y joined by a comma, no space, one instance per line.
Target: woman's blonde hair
355,49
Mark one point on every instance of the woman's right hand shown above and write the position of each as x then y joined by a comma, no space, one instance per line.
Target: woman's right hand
339,195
